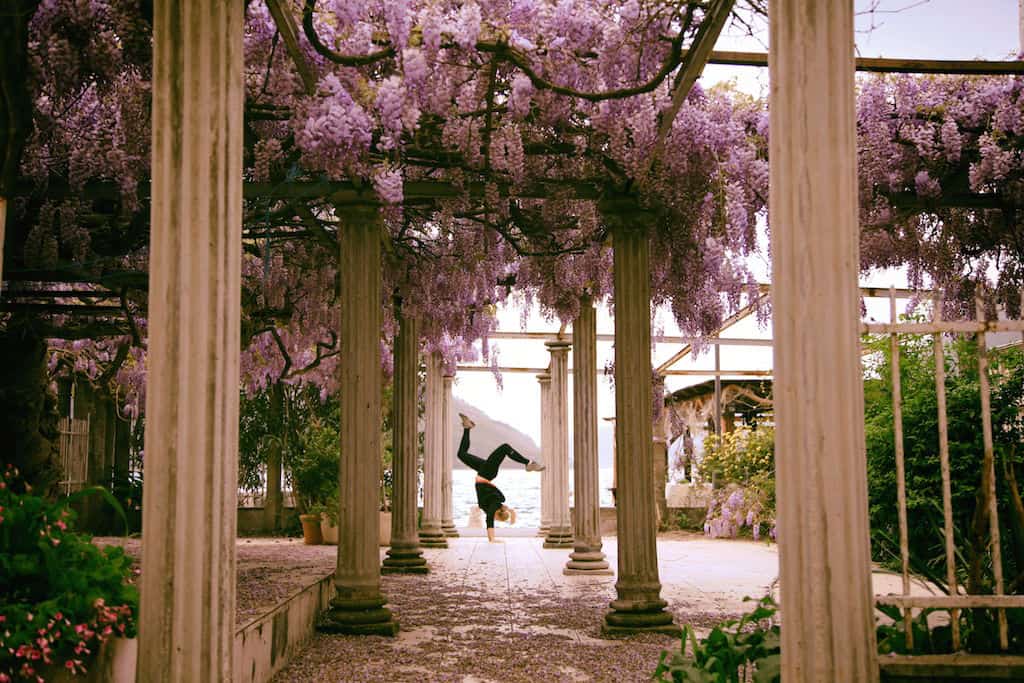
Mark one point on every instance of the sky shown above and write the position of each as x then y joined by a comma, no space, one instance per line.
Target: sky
933,29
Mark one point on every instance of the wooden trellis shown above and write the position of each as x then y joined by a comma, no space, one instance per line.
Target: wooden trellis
956,600
73,446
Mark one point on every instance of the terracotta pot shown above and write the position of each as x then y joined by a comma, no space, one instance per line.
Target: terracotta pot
329,531
113,663
311,534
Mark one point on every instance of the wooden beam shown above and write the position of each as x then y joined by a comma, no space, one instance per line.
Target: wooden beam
718,373
288,29
952,601
677,373
690,69
944,326
953,666
63,309
972,67
665,339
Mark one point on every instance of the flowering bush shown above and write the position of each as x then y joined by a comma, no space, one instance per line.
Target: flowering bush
744,460
61,596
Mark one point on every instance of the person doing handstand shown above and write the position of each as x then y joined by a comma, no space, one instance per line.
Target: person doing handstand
488,496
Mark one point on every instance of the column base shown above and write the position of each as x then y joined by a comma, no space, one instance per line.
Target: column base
543,531
433,537
587,562
433,542
406,561
638,616
358,617
450,531
559,538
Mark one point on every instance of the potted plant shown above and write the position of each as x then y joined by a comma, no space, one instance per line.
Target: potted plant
314,475
66,605
329,521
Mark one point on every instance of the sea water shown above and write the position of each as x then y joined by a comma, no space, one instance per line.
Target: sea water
522,492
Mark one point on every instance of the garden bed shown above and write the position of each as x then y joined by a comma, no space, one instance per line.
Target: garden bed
269,569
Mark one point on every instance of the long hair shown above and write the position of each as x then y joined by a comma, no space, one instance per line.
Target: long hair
505,514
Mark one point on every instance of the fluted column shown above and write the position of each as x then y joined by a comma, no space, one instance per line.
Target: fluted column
544,381
358,605
560,533
824,554
639,606
187,612
586,557
431,533
405,556
448,408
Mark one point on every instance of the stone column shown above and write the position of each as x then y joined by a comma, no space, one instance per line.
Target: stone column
431,533
358,605
560,533
659,450
448,408
544,380
405,556
586,557
639,606
187,611
821,475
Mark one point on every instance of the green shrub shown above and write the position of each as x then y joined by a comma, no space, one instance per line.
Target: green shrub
731,651
60,595
744,460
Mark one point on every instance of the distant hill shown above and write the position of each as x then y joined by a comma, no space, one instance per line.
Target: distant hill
490,433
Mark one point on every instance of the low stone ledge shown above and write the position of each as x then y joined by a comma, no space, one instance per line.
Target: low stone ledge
264,645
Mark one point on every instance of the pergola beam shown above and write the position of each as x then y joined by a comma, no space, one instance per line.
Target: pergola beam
956,67
666,339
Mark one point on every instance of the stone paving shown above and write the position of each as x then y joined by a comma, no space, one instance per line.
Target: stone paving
505,612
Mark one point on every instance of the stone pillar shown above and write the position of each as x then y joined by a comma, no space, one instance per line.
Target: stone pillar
431,533
659,449
821,476
187,610
560,533
448,415
639,606
358,605
405,556
544,380
586,557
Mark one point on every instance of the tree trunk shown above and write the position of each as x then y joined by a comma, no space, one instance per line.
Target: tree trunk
28,413
272,502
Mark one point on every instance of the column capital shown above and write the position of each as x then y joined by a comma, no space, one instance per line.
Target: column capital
558,346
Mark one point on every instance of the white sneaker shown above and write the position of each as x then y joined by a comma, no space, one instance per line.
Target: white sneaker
534,466
466,422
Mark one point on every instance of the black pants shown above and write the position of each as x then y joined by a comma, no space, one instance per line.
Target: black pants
488,469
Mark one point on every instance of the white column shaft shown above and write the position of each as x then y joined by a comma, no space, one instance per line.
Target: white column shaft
560,532
406,477
637,530
546,505
447,518
825,576
187,613
358,573
433,445
586,555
